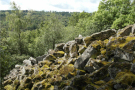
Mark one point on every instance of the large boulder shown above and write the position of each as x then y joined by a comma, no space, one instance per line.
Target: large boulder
67,45
117,67
79,40
122,54
59,47
83,59
125,32
50,57
59,54
73,48
99,36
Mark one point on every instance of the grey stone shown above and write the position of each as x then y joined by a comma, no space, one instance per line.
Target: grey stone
83,59
123,54
40,58
133,68
33,60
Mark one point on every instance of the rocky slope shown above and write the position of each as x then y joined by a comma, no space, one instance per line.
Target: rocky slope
102,61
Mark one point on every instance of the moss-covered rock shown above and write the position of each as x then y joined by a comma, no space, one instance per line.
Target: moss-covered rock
50,57
126,78
99,36
8,87
59,54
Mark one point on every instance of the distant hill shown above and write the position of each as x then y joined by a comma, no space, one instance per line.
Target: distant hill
36,18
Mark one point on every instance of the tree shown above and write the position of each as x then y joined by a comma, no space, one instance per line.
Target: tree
51,32
17,24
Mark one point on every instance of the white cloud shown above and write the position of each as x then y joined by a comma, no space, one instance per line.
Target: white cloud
56,5
4,6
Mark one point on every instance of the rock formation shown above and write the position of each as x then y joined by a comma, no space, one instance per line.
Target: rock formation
102,61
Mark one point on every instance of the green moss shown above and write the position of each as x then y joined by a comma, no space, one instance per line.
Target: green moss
126,78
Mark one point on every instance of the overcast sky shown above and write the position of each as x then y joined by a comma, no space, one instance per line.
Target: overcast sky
53,5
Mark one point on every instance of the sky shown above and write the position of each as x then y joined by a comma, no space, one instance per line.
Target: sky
53,5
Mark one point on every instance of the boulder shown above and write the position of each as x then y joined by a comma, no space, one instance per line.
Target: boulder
99,36
133,29
130,46
125,32
17,66
133,68
122,54
82,48
59,47
83,59
79,40
67,45
73,49
50,57
40,58
51,51
80,81
27,63
59,54
117,67
33,60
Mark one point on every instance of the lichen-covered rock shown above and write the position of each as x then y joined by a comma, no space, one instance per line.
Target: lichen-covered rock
133,29
125,78
83,59
59,47
82,48
73,48
33,60
80,81
8,87
114,68
40,58
133,68
67,45
125,32
130,46
50,57
99,36
122,54
59,54
27,62
79,40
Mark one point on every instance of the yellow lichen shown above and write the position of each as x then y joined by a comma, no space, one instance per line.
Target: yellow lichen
125,78
45,66
8,87
61,52
128,39
66,69
103,51
106,41
134,61
101,82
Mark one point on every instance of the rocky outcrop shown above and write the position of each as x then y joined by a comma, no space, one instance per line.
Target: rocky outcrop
102,61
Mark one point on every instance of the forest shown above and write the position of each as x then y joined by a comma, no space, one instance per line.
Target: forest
25,33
